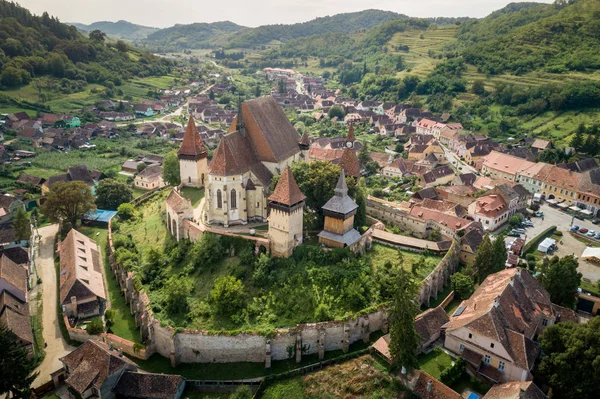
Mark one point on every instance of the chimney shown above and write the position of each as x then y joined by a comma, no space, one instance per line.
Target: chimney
512,281
496,301
429,385
120,352
518,272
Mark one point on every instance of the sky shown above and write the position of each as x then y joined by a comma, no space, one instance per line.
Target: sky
165,13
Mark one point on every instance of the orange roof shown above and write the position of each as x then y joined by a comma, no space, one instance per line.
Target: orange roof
287,191
506,163
349,163
491,206
192,145
351,133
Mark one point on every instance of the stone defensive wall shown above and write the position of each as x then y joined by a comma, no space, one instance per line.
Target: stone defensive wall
198,346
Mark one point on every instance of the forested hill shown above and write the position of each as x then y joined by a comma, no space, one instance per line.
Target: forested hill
119,30
194,36
33,46
340,23
555,38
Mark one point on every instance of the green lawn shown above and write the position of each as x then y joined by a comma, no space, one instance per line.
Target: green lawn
193,194
380,254
124,325
434,362
149,227
591,288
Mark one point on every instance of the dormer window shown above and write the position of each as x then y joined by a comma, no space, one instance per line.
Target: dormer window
470,335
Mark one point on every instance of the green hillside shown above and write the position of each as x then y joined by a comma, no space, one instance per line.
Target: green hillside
193,36
118,30
340,23
545,37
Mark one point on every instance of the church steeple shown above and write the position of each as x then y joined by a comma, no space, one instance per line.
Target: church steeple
192,146
241,126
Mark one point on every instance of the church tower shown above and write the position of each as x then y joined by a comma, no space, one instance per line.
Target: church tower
193,158
286,206
339,212
349,161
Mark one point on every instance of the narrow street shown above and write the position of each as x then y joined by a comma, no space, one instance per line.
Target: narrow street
453,159
57,347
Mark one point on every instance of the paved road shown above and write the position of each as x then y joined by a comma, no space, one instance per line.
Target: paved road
57,347
569,246
453,159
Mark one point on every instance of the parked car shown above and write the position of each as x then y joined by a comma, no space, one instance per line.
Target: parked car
575,228
527,223
591,233
514,234
597,237
520,231
595,221
583,230
539,214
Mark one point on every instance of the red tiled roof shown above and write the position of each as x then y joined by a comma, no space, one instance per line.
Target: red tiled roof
427,387
287,192
515,390
349,163
192,145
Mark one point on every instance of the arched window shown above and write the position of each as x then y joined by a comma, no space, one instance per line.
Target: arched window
233,199
189,179
219,199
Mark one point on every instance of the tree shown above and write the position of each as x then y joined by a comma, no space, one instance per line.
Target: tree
478,87
140,167
112,193
360,219
16,370
207,251
11,77
22,225
228,295
364,156
177,290
570,365
95,327
560,278
126,211
463,285
336,111
97,35
68,202
171,169
515,220
404,340
499,254
281,86
484,258
121,46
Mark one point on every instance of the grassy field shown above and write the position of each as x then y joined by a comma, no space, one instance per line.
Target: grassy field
417,58
149,228
363,377
193,194
380,254
124,325
434,362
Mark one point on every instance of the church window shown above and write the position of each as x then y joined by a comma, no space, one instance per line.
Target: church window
189,179
233,199
219,199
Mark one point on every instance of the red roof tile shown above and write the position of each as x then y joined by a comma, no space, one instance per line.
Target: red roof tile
287,192
349,163
192,145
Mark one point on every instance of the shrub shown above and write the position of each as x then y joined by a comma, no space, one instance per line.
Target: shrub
228,295
126,211
322,312
450,375
95,326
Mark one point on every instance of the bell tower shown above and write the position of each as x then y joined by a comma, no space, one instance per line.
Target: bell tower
193,158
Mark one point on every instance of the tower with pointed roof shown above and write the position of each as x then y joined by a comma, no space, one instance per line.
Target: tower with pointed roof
286,207
349,161
339,212
193,158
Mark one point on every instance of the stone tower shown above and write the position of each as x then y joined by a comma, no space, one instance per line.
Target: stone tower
286,206
193,158
339,214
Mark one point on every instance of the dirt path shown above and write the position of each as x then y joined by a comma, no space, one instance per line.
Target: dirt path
57,347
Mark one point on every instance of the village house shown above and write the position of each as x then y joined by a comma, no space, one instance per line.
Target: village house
14,278
495,330
490,210
515,390
436,177
10,205
14,313
94,369
135,385
478,151
82,293
75,173
497,165
149,178
130,166
468,246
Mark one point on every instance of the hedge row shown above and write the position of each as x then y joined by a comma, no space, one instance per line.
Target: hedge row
535,241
